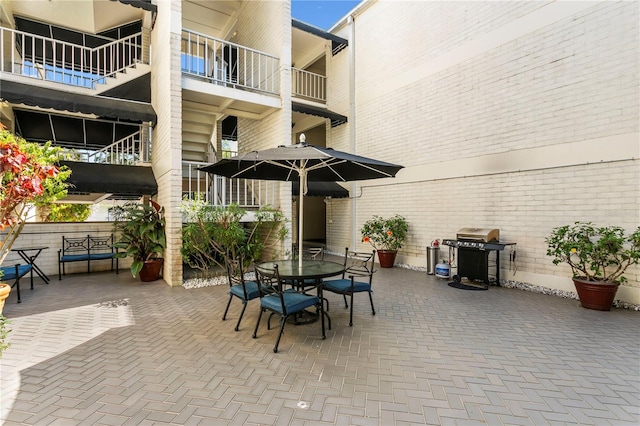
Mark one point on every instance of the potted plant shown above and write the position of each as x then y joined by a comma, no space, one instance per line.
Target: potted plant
141,232
598,257
386,235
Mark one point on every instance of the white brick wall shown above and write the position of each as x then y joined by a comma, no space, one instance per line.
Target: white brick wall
518,116
167,136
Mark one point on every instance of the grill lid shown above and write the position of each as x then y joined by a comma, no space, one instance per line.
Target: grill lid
479,234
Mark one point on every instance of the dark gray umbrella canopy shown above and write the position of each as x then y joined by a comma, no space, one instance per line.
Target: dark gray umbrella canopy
302,163
285,163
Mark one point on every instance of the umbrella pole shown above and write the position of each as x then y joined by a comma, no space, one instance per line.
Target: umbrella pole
303,189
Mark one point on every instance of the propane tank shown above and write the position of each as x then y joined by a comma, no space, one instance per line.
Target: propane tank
443,270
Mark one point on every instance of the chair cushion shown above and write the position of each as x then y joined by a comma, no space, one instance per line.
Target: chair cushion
344,286
98,256
74,257
252,290
9,272
293,301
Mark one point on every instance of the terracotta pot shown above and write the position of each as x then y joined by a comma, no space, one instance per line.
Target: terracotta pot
151,270
387,258
5,289
596,295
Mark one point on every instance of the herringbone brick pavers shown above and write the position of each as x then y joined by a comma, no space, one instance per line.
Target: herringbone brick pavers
107,349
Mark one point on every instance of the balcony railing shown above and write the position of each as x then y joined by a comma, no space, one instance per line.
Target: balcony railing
222,62
222,191
130,150
308,85
49,59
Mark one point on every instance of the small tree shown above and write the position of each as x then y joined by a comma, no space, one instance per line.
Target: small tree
29,176
214,234
66,212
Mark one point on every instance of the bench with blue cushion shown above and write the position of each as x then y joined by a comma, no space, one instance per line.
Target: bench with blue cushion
16,272
86,249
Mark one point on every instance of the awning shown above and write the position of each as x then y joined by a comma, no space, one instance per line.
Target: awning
19,93
70,131
142,4
336,119
337,43
111,179
322,189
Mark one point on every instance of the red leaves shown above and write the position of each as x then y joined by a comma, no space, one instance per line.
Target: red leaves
22,178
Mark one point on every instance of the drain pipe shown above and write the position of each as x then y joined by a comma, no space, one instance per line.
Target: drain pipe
352,119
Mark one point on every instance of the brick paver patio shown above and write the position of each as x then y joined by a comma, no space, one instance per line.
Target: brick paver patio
106,349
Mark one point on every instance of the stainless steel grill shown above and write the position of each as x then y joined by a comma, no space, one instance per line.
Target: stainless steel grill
478,254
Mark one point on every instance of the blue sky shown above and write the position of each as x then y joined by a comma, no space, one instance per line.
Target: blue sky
321,13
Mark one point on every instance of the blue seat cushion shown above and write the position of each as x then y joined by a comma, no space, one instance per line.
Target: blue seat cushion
250,286
99,256
9,272
74,257
344,286
293,301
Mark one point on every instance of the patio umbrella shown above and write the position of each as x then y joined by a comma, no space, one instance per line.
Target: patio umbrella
303,163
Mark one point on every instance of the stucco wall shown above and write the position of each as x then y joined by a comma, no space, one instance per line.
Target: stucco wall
517,116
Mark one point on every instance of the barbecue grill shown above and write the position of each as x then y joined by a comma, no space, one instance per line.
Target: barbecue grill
478,254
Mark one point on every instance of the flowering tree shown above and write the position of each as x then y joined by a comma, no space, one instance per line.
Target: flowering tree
29,176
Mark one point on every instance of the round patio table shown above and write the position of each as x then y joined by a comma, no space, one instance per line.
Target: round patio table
309,269
293,271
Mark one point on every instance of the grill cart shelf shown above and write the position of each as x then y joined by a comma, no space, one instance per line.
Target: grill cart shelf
478,253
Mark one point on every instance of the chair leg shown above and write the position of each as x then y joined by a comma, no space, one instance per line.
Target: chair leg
351,312
244,307
373,310
321,313
326,300
224,317
17,285
283,320
346,305
255,331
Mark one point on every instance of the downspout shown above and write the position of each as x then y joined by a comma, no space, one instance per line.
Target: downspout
352,120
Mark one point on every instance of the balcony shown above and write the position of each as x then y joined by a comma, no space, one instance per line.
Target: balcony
52,60
228,64
132,150
308,85
222,191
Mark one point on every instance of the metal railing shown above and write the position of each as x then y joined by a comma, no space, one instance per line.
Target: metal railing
49,59
130,150
222,191
308,85
222,62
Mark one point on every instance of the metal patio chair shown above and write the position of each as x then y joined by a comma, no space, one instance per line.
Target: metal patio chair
356,278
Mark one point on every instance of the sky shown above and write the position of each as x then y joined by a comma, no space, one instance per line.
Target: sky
321,13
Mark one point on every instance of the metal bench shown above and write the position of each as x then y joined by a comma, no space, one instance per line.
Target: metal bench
86,249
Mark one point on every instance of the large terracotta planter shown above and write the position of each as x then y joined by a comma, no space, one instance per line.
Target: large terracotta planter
387,258
596,295
151,270
5,289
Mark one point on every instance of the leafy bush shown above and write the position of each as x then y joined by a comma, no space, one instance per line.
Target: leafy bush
28,175
65,212
214,234
4,332
385,234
